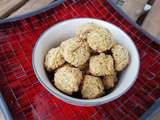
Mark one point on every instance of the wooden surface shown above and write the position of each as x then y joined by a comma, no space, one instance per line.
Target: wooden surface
1,116
8,6
134,8
152,22
157,117
31,5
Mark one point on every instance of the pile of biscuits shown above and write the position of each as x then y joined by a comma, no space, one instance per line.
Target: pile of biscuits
88,63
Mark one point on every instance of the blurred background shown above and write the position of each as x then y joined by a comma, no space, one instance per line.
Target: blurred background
144,12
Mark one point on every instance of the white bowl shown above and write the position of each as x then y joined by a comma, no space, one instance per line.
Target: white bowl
64,30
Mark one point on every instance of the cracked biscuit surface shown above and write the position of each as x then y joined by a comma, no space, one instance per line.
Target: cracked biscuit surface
67,79
75,52
101,65
53,59
100,41
98,38
121,57
83,30
92,87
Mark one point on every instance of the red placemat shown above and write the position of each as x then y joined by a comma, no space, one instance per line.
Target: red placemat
27,98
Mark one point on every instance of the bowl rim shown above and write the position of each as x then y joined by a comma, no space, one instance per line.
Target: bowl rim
76,101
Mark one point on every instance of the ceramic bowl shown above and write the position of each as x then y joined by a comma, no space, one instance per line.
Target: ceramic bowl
66,29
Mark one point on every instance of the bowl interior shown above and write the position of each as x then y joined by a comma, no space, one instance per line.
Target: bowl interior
64,30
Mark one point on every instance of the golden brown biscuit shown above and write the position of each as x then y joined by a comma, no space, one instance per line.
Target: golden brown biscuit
75,52
92,87
100,41
98,38
109,81
67,79
121,57
83,30
53,59
101,65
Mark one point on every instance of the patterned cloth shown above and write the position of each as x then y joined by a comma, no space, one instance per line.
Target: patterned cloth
28,99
